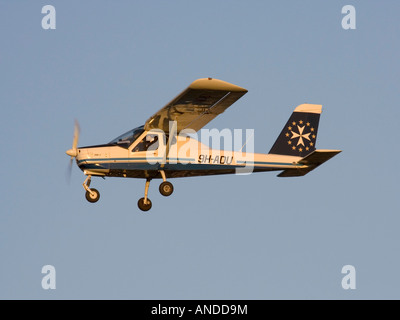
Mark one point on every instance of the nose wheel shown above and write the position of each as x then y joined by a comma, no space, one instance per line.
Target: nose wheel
92,195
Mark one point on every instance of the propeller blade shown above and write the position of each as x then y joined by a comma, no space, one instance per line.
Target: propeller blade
76,135
73,151
69,171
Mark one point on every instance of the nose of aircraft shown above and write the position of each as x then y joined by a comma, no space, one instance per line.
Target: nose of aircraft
72,152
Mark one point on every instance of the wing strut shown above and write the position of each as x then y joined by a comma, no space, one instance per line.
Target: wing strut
172,135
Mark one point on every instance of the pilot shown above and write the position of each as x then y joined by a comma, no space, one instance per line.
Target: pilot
145,143
151,142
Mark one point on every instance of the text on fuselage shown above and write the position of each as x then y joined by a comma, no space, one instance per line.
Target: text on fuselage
204,158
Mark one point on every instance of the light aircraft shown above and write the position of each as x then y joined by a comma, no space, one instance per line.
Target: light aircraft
151,150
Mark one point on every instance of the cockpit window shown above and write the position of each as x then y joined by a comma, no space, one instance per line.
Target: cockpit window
126,139
148,143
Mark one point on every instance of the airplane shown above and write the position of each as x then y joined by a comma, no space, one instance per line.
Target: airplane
151,151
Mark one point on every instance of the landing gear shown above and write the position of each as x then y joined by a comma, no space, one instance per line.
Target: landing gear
166,188
92,195
144,204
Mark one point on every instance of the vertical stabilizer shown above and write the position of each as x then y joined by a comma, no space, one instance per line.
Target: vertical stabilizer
299,136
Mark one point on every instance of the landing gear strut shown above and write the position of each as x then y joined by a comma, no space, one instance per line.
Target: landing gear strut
144,204
92,195
166,188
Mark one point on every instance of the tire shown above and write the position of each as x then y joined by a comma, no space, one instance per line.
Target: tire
166,188
142,206
92,198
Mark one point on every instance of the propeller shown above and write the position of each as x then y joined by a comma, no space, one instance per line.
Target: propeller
73,152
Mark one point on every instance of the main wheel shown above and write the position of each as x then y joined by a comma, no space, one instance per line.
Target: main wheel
144,206
93,196
166,188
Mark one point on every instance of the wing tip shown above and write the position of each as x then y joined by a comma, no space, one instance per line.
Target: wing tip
215,84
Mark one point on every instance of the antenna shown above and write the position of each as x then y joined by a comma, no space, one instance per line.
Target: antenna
246,141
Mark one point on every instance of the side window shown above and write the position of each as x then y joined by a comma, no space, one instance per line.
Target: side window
149,142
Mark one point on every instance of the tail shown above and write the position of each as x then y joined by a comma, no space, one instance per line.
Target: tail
299,136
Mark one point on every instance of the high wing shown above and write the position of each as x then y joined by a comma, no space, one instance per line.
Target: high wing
197,105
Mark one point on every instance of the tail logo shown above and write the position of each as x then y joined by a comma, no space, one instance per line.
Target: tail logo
297,131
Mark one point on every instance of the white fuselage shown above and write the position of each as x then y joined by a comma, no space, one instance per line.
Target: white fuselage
184,157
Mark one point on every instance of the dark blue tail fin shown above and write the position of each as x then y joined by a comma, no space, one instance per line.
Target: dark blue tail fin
299,135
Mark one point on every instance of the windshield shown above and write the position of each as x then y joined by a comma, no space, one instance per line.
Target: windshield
126,139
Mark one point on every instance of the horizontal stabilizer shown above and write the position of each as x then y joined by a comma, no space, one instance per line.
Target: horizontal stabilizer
312,161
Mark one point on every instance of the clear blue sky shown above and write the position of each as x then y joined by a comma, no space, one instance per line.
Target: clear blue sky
113,64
